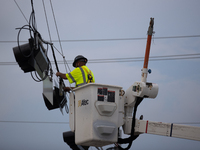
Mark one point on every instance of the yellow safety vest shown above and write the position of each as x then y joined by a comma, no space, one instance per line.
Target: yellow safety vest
79,76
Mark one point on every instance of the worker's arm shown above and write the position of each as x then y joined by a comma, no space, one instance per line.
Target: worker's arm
62,75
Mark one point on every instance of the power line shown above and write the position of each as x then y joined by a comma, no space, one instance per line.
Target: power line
151,57
45,122
37,122
186,122
65,62
21,10
56,26
90,40
129,59
47,21
116,39
132,60
115,61
126,39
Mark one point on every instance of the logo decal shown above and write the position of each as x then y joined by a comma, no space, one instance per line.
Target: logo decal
83,102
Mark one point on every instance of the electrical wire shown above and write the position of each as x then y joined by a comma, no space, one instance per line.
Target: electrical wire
34,122
62,54
21,11
90,40
61,82
66,64
35,43
186,122
37,38
127,39
47,21
32,20
46,122
129,59
116,39
56,26
20,29
132,137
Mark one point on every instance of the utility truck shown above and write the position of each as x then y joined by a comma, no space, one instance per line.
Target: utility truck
98,112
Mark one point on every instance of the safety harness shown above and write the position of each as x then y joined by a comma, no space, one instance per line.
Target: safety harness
90,77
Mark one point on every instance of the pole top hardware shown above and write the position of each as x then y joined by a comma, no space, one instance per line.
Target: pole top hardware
150,30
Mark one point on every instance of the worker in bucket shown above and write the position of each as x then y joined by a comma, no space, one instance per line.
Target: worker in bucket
80,75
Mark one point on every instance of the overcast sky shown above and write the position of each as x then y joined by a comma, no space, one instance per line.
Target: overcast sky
179,84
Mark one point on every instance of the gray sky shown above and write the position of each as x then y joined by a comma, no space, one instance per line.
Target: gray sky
178,80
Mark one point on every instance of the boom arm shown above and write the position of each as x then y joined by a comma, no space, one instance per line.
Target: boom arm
167,129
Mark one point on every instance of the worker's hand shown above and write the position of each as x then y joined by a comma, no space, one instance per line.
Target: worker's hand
67,89
62,75
58,74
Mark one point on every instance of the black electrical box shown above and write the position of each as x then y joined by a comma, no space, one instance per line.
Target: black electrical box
24,57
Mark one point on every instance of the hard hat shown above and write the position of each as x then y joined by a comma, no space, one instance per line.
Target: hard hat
80,58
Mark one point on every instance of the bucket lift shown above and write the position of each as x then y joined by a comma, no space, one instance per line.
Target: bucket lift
97,111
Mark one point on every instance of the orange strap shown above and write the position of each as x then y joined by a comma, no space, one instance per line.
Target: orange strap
88,73
86,70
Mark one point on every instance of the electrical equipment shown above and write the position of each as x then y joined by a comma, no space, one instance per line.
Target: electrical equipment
31,59
24,57
54,100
